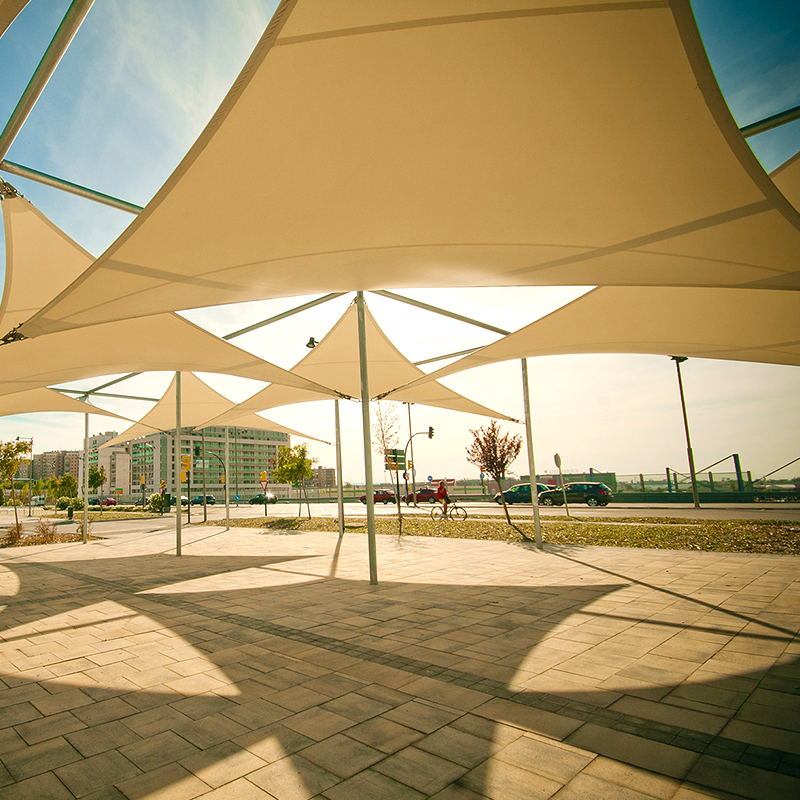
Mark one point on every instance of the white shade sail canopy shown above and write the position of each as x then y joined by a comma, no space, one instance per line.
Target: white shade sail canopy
163,342
734,324
380,145
198,402
335,363
41,260
787,179
41,400
8,11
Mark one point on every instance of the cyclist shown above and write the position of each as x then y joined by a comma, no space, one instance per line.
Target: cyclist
441,496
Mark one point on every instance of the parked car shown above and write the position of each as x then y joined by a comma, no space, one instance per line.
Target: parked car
424,495
198,501
521,493
381,496
259,500
184,500
593,494
105,501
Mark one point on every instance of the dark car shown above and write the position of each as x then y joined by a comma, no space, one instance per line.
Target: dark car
381,496
259,499
593,494
198,501
424,495
521,493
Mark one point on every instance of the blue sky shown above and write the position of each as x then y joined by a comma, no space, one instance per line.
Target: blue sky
136,88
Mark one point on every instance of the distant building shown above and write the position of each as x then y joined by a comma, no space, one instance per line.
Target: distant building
251,452
51,464
324,478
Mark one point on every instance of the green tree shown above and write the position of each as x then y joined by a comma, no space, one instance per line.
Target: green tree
51,488
492,452
97,477
11,456
294,466
67,486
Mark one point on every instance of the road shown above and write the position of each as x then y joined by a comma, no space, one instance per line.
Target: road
748,511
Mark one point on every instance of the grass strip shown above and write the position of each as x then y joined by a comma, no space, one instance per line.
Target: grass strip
663,533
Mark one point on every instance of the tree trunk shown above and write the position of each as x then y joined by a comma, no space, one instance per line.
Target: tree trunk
503,499
308,504
14,500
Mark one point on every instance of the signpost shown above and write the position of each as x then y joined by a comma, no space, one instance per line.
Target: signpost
264,484
396,460
186,475
557,459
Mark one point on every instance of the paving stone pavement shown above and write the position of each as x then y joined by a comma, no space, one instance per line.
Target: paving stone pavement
265,666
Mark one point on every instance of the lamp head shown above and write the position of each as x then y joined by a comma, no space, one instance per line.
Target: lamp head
312,343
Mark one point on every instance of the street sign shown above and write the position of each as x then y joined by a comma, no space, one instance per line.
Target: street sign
264,485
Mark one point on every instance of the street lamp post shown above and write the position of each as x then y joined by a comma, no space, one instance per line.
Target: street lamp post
198,449
30,473
695,496
429,434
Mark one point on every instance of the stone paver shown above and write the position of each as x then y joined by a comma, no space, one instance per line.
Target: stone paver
257,666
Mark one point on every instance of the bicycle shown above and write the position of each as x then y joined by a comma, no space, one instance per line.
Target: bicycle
454,512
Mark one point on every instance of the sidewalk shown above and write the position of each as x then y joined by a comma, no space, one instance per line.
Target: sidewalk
266,666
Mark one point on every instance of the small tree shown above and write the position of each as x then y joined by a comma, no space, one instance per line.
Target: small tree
97,477
386,436
51,488
294,466
493,452
67,486
11,456
385,428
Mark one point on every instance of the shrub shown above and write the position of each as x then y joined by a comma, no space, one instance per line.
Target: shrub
14,533
157,503
46,531
62,504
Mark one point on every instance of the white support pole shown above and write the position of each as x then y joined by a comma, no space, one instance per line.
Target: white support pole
85,536
56,49
177,463
526,399
411,469
227,497
339,478
362,357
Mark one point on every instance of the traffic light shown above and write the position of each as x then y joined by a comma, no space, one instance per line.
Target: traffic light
197,451
186,463
430,433
163,486
183,476
263,476
142,480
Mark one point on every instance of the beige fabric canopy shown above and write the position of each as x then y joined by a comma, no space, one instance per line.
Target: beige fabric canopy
198,402
161,342
8,11
335,362
735,324
378,145
787,179
41,260
36,401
